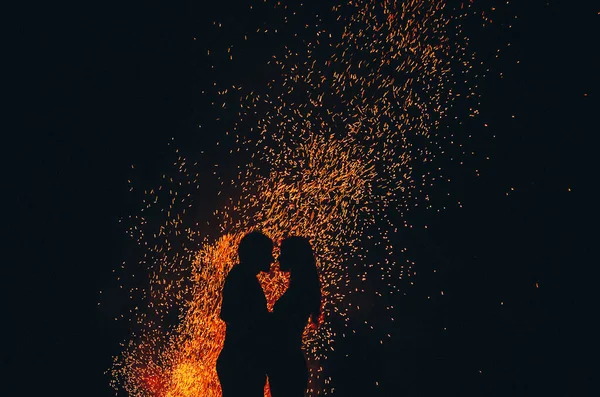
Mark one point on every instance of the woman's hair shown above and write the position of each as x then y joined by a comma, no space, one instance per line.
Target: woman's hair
304,271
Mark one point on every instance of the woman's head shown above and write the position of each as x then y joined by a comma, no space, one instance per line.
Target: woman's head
296,255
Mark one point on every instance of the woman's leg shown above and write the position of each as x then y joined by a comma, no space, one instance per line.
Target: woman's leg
289,376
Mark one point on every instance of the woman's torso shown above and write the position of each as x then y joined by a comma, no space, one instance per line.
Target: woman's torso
290,317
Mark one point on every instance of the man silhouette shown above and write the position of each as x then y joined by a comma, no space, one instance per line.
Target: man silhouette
241,365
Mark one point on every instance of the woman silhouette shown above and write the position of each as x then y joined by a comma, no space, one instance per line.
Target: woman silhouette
288,373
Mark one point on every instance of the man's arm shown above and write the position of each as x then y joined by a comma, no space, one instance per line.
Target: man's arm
240,308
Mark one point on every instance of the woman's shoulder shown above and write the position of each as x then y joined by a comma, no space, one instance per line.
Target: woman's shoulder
289,302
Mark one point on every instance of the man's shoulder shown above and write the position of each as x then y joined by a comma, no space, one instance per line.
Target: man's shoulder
236,275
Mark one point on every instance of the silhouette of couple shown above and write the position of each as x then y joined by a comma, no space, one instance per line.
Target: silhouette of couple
259,343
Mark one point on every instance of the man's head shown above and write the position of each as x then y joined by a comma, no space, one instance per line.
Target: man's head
256,252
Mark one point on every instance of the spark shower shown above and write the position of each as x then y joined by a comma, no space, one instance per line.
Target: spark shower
340,135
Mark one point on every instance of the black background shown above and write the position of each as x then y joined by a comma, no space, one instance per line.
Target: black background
102,86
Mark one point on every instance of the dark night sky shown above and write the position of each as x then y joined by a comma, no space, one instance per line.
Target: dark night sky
106,85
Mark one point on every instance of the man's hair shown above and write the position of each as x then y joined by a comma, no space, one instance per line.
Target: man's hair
251,244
